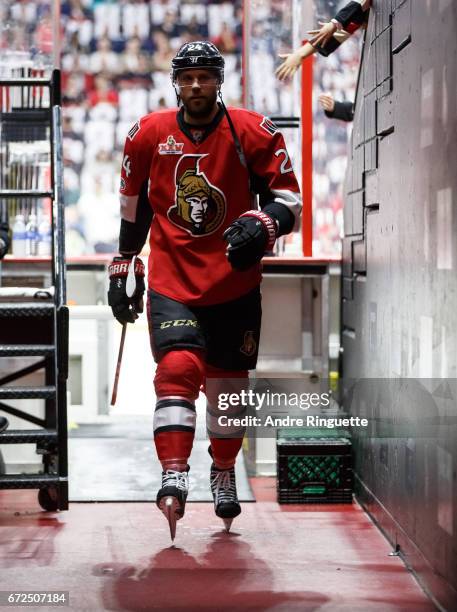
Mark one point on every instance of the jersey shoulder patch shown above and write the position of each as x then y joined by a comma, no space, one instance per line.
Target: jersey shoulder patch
251,120
268,125
133,131
155,120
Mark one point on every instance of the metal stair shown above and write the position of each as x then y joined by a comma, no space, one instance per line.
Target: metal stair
26,350
26,310
34,334
27,392
29,436
29,481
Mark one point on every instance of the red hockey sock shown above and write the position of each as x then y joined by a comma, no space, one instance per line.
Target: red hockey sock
177,384
223,447
224,451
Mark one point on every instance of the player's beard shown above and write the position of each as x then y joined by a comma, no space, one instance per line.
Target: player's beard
204,109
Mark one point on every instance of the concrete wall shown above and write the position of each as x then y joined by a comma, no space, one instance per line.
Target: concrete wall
400,283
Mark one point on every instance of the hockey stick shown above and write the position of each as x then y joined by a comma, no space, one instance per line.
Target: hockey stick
118,367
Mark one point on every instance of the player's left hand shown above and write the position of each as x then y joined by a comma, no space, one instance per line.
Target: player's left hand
248,237
322,36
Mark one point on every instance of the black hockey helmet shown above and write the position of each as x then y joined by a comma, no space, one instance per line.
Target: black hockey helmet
199,54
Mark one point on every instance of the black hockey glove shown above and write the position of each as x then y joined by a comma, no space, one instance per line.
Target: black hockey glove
125,308
248,238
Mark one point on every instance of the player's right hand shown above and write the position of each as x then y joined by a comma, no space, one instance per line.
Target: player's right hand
125,309
248,237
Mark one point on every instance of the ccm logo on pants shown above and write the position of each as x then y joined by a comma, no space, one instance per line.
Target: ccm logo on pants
179,323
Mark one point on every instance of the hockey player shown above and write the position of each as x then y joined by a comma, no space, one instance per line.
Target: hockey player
325,41
188,175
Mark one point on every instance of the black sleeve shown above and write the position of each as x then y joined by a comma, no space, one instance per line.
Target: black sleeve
277,211
280,213
352,12
132,236
343,110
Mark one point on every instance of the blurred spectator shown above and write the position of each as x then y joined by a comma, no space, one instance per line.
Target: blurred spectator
71,187
75,241
107,20
104,59
44,34
135,20
195,30
100,208
226,40
103,92
130,59
74,88
74,58
170,25
78,24
161,59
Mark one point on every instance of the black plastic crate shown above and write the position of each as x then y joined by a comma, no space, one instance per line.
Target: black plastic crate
314,466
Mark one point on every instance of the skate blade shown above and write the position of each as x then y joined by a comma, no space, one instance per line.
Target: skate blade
227,523
170,506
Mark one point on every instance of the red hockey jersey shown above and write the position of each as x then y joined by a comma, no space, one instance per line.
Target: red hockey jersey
196,191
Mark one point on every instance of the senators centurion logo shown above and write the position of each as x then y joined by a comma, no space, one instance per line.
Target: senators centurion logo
199,206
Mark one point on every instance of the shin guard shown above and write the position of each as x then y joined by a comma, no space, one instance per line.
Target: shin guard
178,379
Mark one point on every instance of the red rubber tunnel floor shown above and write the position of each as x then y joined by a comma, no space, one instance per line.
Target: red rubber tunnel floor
117,556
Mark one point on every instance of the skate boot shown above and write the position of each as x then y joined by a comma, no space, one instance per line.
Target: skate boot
223,488
171,499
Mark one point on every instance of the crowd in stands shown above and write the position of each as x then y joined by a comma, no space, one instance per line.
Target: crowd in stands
115,60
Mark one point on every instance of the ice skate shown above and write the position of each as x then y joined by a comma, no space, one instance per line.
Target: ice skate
223,488
171,499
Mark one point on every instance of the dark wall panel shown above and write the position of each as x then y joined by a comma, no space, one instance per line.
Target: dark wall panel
400,283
